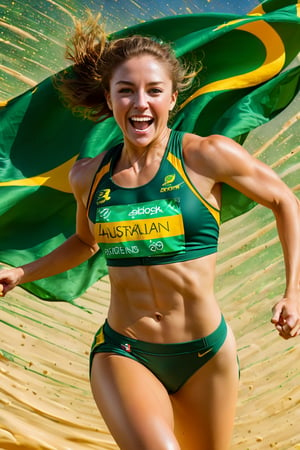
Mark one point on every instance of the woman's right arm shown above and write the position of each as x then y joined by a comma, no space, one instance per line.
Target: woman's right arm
74,251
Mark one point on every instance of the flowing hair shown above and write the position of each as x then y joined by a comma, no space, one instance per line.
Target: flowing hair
95,57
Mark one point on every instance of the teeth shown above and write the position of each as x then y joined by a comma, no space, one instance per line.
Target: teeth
141,119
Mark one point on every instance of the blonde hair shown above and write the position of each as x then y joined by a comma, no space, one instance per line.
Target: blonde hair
95,57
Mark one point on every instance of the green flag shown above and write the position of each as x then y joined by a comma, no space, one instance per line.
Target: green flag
245,82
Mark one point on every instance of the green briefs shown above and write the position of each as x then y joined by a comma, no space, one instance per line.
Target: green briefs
172,364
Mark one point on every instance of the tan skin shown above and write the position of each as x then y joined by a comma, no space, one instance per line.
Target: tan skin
174,302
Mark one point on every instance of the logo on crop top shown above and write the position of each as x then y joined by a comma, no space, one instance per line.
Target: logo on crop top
145,211
169,179
168,186
103,196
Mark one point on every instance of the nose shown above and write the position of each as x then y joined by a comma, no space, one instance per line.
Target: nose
141,100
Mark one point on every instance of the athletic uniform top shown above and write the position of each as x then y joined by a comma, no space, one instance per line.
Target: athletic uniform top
164,221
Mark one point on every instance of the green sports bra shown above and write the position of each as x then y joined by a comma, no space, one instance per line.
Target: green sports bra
162,222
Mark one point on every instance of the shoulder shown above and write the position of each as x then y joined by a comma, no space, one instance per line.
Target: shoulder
210,146
82,174
219,155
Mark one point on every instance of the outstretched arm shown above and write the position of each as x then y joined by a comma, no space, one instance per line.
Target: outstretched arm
74,251
233,165
69,254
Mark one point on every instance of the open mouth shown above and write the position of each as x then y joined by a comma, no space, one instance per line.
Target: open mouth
140,123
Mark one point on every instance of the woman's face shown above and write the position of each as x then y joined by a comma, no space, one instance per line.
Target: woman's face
140,98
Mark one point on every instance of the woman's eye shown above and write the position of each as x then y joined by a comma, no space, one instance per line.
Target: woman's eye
125,91
155,91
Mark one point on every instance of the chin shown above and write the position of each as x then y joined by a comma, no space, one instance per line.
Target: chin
143,138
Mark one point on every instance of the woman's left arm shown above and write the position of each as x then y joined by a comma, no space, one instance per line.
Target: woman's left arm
233,165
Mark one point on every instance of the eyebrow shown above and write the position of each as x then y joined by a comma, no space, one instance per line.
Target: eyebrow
132,84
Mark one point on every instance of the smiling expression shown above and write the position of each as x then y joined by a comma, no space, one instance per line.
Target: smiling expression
141,98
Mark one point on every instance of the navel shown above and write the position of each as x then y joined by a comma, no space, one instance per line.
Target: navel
158,316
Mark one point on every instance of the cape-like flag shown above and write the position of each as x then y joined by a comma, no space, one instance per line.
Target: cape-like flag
245,81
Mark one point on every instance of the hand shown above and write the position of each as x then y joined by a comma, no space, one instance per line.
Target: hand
286,316
9,278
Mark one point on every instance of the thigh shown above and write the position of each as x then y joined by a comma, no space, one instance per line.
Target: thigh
204,407
133,403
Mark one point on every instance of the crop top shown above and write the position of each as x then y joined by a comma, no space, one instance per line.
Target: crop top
163,221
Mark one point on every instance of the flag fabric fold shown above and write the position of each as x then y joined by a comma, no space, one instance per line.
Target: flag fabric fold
245,81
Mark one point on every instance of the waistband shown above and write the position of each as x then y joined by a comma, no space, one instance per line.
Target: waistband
149,347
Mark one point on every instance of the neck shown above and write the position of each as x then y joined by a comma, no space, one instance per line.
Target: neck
136,159
139,157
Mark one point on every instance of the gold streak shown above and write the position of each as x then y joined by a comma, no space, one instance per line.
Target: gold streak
135,4
12,45
56,178
18,75
61,8
285,158
284,128
274,61
18,31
